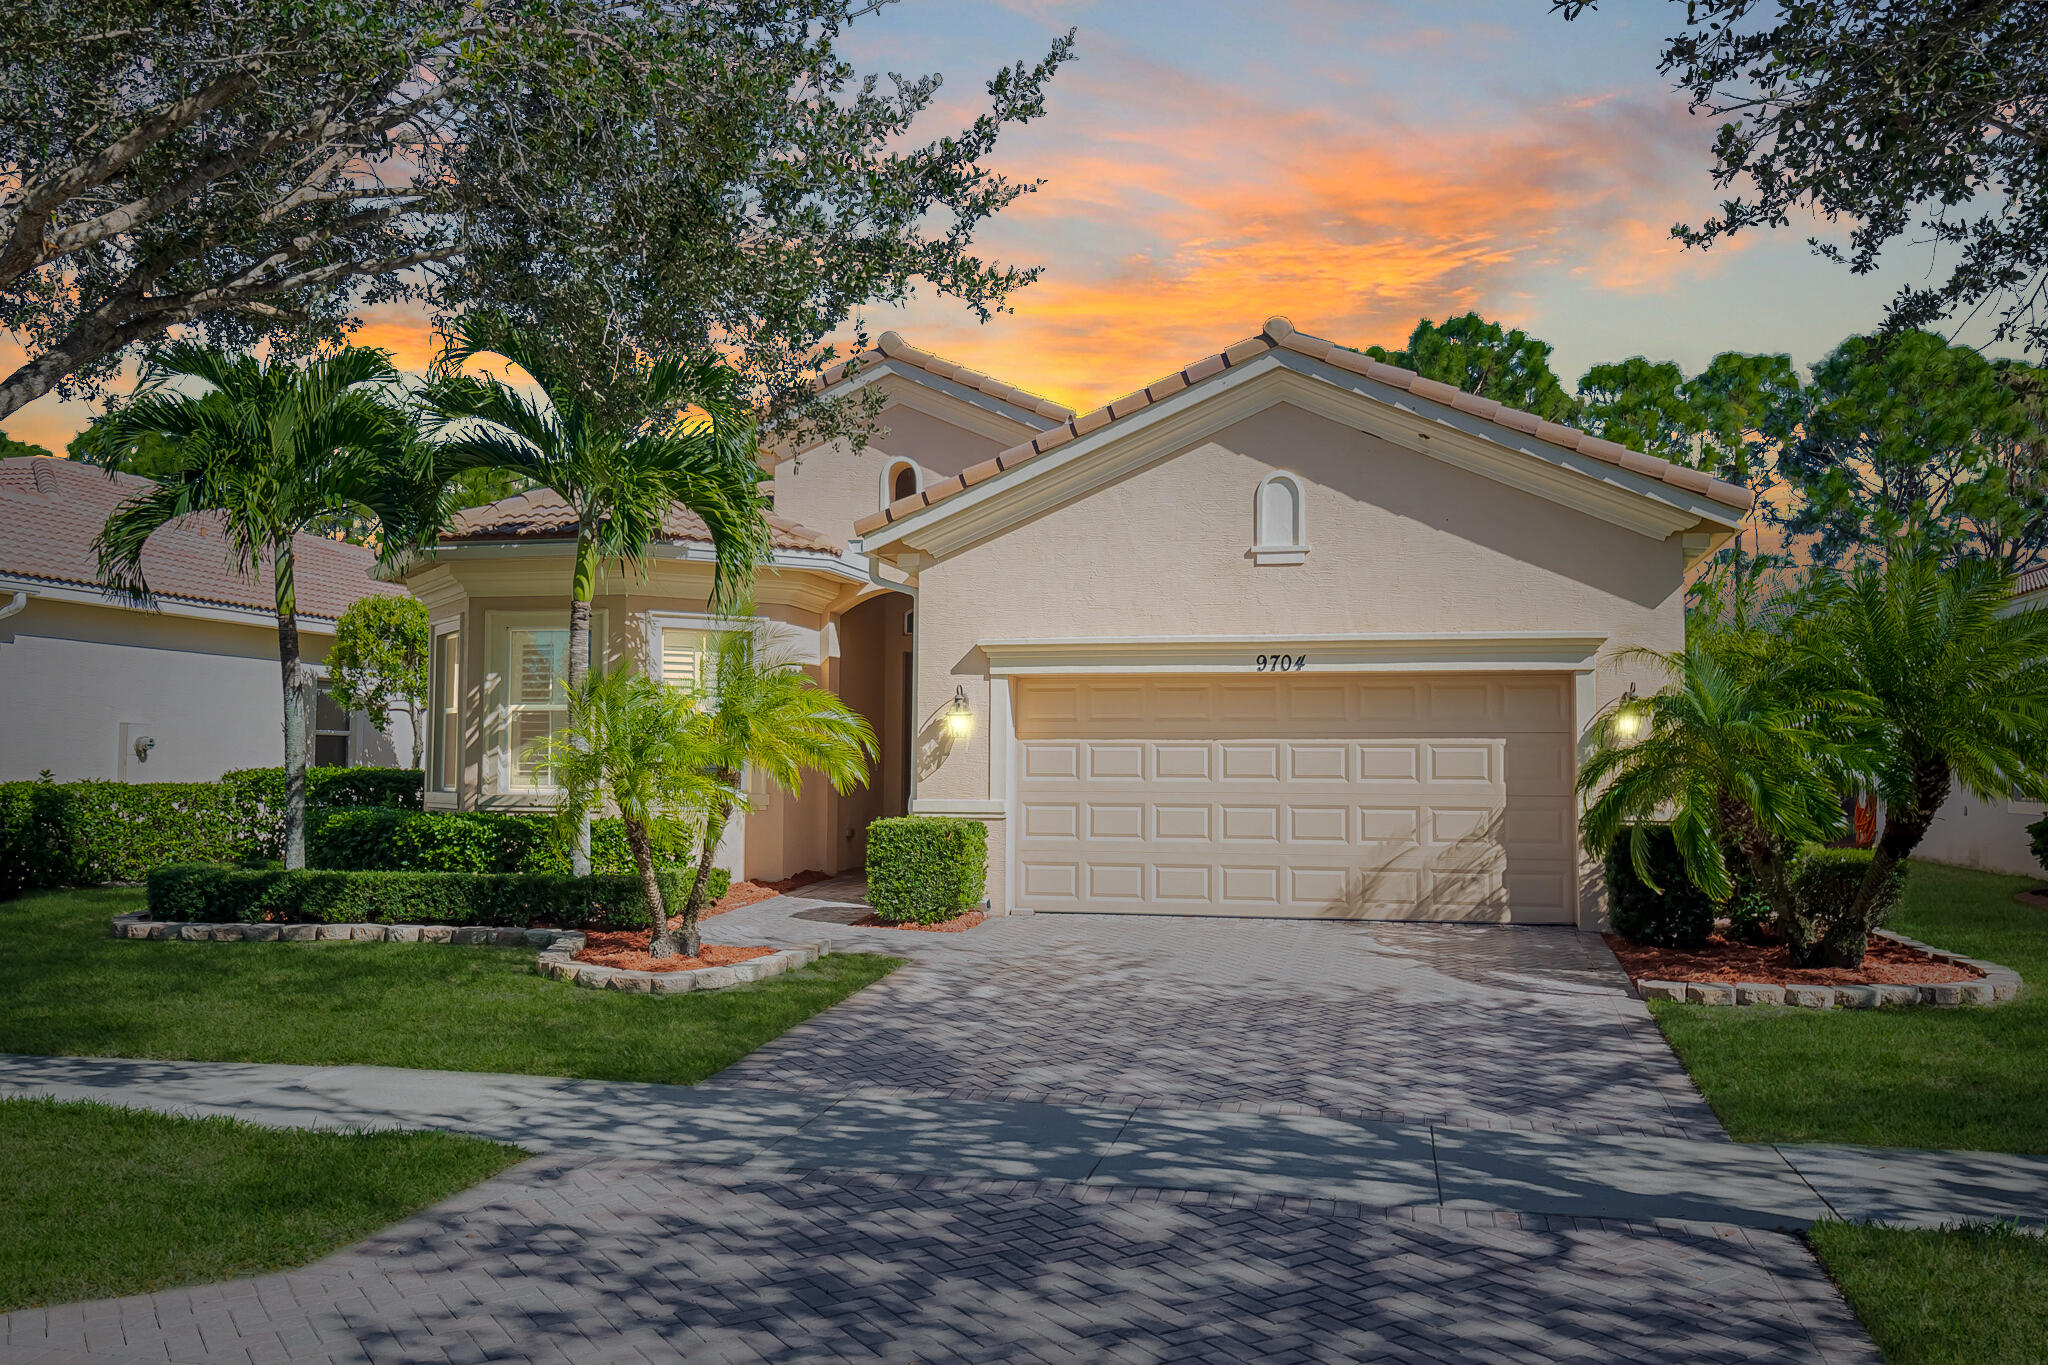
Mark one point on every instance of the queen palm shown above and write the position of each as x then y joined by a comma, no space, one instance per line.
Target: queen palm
766,715
1736,751
633,742
1953,683
621,457
271,449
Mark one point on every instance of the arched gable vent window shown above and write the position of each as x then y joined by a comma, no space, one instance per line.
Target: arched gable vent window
900,481
1280,521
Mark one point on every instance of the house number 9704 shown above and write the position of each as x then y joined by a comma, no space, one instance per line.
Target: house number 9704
1282,663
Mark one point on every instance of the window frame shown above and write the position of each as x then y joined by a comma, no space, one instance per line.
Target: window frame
446,710
323,690
495,780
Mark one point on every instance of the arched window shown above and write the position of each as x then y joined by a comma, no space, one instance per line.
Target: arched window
1280,521
900,480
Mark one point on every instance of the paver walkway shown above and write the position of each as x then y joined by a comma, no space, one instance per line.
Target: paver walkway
1074,1139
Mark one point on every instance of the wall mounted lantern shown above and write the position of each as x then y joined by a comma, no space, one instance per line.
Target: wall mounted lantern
959,717
1628,717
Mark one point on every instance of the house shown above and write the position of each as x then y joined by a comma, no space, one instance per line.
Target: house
1991,834
1288,632
96,687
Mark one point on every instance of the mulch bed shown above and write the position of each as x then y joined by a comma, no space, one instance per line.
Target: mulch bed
626,949
1886,964
956,925
2039,898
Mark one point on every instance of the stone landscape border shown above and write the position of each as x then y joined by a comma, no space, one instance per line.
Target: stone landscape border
1998,985
558,948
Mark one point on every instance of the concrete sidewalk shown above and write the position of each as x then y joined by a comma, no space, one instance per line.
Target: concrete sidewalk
1374,1165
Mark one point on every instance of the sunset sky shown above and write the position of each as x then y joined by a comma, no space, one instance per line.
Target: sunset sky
1351,164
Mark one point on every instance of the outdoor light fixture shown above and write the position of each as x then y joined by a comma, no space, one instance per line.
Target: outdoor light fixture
1628,718
959,718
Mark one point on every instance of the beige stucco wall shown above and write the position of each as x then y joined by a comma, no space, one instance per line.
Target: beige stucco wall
80,680
1401,544
781,835
1973,832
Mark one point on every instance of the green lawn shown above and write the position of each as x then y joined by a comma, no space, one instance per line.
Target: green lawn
70,989
1915,1077
97,1201
1971,1296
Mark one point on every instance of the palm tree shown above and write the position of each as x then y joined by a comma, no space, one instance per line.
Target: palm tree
767,715
270,448
621,459
632,741
1735,752
1955,688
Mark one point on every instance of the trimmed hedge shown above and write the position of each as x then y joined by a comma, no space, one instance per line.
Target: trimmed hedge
82,833
213,893
259,794
2038,833
390,840
1825,882
1680,916
925,869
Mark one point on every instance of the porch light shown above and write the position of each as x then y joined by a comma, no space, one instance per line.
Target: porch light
1628,717
959,717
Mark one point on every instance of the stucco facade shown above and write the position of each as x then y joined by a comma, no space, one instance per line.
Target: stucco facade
1270,510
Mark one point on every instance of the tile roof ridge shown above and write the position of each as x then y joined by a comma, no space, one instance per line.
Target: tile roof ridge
890,345
1279,333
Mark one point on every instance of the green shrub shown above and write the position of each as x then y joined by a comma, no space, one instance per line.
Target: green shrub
2038,832
83,833
213,893
925,869
1678,916
1824,884
258,793
387,839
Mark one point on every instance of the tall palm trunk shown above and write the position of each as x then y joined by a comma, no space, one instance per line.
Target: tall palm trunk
294,706
582,588
714,830
660,941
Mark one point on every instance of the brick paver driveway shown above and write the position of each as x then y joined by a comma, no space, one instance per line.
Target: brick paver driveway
628,1259
1475,1025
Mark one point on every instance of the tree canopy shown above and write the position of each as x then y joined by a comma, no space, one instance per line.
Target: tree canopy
1920,123
379,660
1486,359
670,175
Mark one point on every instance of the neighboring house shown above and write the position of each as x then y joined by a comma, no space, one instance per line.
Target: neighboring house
1289,632
98,688
1991,834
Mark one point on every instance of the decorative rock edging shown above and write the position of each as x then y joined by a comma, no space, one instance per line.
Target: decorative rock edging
558,948
1999,984
559,962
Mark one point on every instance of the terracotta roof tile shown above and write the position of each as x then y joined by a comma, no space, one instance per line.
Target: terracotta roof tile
542,515
892,346
52,509
1279,332
2033,580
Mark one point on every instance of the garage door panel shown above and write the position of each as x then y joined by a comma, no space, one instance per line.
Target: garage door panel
1364,797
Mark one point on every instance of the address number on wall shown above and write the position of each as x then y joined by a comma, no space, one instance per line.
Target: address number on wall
1281,663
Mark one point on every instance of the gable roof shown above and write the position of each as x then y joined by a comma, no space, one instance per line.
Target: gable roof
892,346
541,514
1279,334
51,510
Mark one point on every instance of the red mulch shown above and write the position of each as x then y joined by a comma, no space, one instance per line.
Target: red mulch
2039,898
627,950
1886,964
956,925
748,893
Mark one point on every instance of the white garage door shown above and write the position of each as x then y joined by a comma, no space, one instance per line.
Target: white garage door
1359,797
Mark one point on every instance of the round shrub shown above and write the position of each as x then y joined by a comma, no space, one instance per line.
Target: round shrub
1678,915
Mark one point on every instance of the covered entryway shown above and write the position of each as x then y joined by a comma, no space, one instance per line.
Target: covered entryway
1360,796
